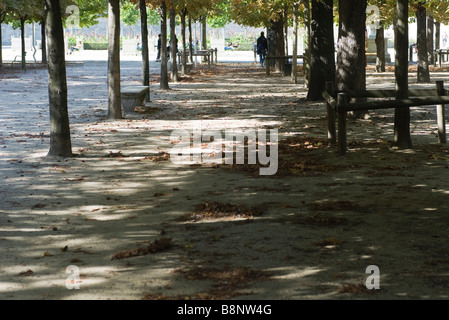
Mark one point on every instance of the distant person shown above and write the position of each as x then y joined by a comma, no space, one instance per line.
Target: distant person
76,48
262,48
229,47
197,44
159,46
139,46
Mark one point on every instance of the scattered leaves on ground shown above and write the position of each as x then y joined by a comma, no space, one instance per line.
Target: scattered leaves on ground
161,156
226,283
28,273
115,155
218,210
158,245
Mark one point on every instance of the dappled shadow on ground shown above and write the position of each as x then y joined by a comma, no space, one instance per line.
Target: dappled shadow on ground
307,232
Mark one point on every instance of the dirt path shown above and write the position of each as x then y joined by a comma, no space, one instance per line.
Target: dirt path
137,226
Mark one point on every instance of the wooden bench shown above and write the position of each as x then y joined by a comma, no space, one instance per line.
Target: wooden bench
338,104
209,54
134,96
441,55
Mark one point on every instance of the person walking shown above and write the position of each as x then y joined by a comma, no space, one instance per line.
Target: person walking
262,48
159,42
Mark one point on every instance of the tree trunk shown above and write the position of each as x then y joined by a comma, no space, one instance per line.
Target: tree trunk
145,48
276,45
380,50
351,55
164,70
190,40
402,115
429,35
60,143
437,35
307,42
286,29
1,47
322,63
114,96
423,64
173,47
22,31
295,44
183,41
44,42
204,35
351,52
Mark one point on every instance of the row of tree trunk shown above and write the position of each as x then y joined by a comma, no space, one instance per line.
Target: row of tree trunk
350,71
60,143
22,31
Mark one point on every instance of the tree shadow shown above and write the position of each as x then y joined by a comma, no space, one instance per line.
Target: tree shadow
316,235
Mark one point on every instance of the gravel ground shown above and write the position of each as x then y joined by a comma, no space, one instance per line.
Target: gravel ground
124,222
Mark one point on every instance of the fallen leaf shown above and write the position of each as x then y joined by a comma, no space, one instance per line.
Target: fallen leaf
160,194
28,273
39,206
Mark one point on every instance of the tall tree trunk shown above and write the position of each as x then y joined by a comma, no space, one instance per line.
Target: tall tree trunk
173,47
276,45
164,70
114,96
295,44
2,19
423,64
204,35
22,31
145,48
286,29
437,35
307,42
380,50
351,52
322,63
1,46
60,143
351,56
402,115
44,42
190,40
429,35
183,40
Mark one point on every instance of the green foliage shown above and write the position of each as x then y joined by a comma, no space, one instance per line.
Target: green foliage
153,17
220,15
95,46
129,14
89,11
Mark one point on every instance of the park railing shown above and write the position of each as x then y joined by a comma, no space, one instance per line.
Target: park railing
339,104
